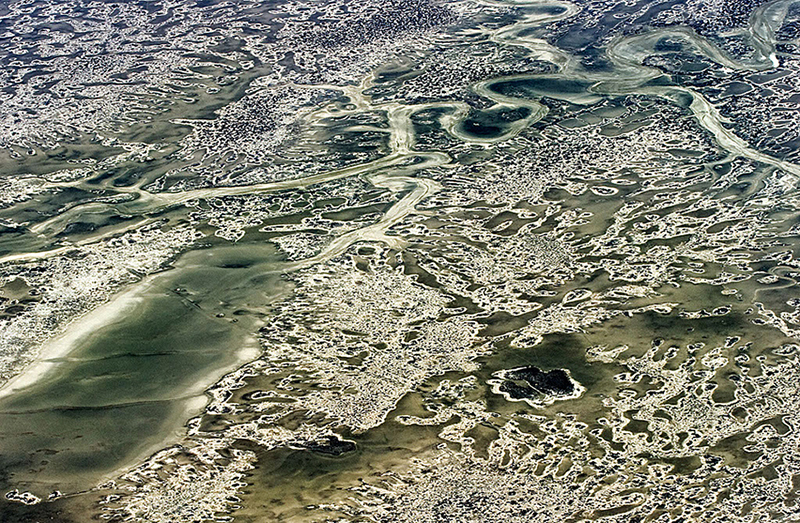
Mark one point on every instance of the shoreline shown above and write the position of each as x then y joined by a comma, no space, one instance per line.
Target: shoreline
52,352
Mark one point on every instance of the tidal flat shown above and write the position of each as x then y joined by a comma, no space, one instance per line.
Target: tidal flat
386,261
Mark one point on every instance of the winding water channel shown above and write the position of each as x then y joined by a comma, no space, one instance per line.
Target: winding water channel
369,261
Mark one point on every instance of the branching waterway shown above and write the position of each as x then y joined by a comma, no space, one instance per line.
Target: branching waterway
427,260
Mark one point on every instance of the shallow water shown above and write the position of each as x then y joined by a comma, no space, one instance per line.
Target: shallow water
126,386
399,261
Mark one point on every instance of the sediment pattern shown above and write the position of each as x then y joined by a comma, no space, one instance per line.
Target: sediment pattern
491,260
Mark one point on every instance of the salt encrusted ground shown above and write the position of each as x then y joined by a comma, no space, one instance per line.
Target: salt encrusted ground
537,259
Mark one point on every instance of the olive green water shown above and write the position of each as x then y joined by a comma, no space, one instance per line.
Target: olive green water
399,261
126,388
